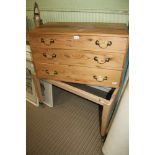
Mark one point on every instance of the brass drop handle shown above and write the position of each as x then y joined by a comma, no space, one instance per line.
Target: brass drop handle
101,61
47,41
103,44
51,73
49,56
100,78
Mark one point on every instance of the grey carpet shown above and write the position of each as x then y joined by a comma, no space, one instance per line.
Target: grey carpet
71,127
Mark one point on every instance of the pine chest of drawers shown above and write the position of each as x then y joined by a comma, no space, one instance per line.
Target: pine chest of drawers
87,53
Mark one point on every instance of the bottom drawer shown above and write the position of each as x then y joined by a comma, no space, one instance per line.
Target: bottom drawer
76,74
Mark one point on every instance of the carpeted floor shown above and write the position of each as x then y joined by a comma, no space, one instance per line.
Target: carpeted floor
71,127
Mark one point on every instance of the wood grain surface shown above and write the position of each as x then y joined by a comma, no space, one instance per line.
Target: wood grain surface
86,53
78,74
104,29
79,58
82,42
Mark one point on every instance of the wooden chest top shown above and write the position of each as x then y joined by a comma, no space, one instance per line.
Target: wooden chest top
104,29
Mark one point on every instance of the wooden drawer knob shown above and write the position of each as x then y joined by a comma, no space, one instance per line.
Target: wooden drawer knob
103,44
49,56
47,41
51,72
101,61
100,78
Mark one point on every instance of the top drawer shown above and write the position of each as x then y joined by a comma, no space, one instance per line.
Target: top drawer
96,43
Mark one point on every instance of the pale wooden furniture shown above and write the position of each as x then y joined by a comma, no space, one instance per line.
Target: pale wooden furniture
86,53
107,104
80,52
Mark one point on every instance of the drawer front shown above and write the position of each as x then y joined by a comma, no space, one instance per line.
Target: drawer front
80,58
93,43
85,75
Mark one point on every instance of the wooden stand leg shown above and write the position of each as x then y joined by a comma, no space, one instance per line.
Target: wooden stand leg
106,113
105,119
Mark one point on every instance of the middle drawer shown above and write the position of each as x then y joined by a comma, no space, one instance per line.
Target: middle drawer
78,57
